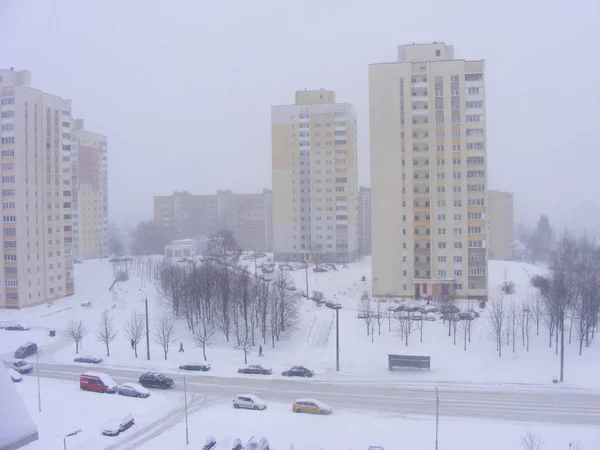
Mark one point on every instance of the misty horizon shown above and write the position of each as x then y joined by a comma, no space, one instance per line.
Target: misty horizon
187,107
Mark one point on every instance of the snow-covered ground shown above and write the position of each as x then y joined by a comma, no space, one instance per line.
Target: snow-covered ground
358,429
312,343
65,409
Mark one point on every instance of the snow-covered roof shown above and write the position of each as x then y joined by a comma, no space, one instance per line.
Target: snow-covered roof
106,379
17,428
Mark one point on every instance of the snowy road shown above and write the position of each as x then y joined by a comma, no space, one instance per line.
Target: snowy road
523,405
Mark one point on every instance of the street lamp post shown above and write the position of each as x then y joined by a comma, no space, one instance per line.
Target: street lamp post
147,326
437,417
37,361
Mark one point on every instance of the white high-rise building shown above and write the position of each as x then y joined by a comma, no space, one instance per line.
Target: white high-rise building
315,179
37,261
428,174
90,192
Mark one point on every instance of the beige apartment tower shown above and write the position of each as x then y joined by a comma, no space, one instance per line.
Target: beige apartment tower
90,192
501,225
315,180
428,175
37,260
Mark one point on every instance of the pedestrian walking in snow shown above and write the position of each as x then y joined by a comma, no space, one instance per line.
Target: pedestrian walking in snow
181,346
260,353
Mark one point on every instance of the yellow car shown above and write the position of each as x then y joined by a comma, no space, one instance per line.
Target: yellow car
310,406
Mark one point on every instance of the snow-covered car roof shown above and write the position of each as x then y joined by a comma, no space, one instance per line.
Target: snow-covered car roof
252,396
21,363
313,400
14,374
112,425
141,389
106,379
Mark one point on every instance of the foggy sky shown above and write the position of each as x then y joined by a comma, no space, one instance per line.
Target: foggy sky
183,89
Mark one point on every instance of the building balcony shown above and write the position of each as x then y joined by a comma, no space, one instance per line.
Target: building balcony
420,112
419,84
419,98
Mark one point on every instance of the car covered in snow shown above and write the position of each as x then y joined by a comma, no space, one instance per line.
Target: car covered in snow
16,327
133,390
14,375
88,359
115,426
26,350
97,382
196,367
210,443
248,401
255,369
311,406
333,305
22,367
257,443
298,371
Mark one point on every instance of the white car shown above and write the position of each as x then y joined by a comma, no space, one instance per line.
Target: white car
14,375
133,390
257,443
114,426
248,401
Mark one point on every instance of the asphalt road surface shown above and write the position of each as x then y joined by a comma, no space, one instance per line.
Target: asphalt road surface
532,405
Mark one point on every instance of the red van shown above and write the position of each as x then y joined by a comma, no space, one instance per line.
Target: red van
97,382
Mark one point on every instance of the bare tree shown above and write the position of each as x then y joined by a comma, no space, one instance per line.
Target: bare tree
531,442
204,335
404,327
525,322
106,331
464,328
513,323
365,310
134,329
379,317
76,331
536,310
164,333
420,326
497,320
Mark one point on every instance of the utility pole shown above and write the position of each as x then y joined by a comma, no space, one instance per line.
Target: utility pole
255,263
147,326
437,417
337,340
37,361
306,272
187,440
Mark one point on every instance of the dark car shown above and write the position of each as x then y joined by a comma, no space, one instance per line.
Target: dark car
155,380
88,359
22,367
133,390
26,350
332,305
255,369
298,371
196,367
16,327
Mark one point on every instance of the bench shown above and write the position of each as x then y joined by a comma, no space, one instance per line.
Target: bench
410,361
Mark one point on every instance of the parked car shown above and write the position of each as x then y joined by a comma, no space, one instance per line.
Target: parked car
248,401
26,350
196,367
466,315
237,444
257,443
375,447
332,305
310,406
16,327
298,371
22,367
97,382
88,359
320,269
14,375
210,443
133,390
155,380
255,369
114,426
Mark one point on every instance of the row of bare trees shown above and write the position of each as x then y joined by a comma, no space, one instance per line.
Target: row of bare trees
570,293
135,329
218,297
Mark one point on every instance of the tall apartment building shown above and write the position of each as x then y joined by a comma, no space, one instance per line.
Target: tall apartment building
428,174
37,261
184,215
90,192
364,221
315,180
501,225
